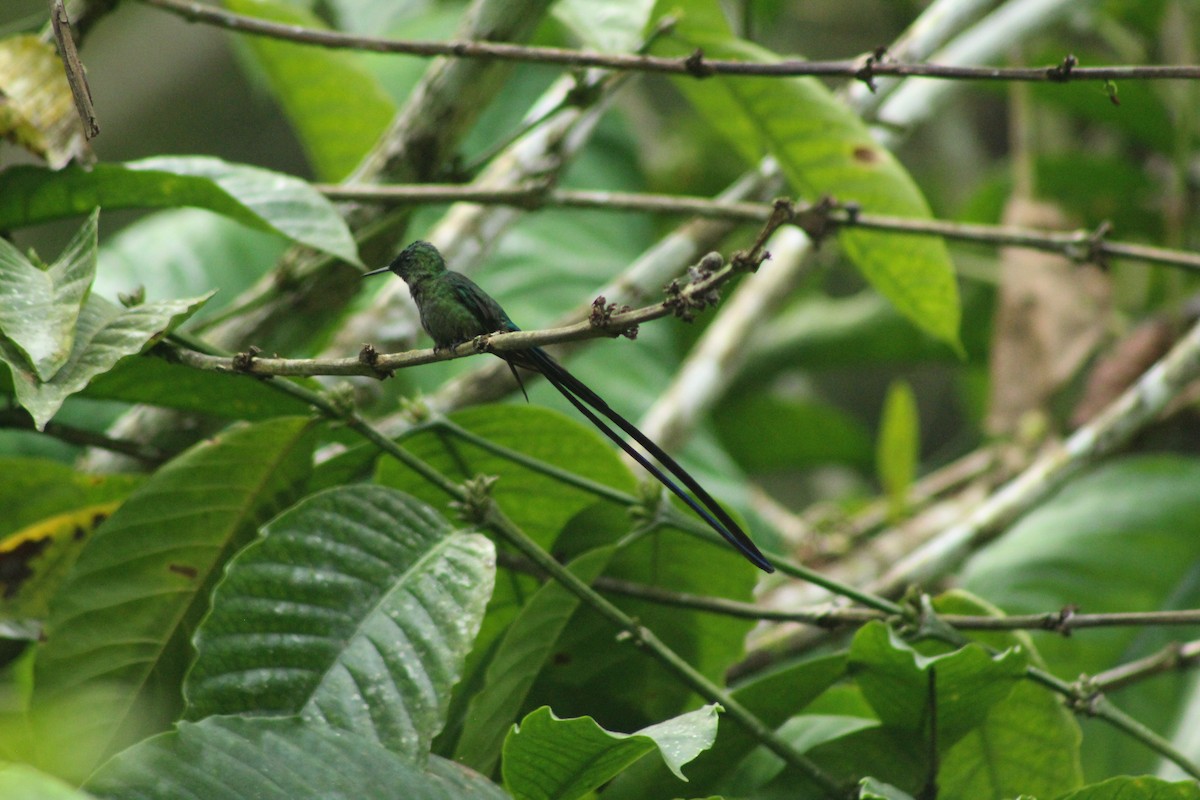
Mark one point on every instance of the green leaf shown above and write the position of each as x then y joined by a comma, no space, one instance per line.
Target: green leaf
540,504
336,106
804,433
547,757
1120,538
32,489
39,308
182,252
258,198
899,446
1028,743
105,334
1140,787
20,781
519,657
277,759
896,679
824,149
158,382
116,643
354,610
774,698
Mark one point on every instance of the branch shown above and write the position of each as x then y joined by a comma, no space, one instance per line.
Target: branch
681,301
695,65
817,219
1173,657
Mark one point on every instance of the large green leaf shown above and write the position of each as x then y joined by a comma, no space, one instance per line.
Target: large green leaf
158,382
1121,538
354,610
774,698
548,758
1027,744
105,333
278,759
39,307
181,252
520,655
538,503
32,489
116,643
896,680
336,106
823,149
588,663
259,198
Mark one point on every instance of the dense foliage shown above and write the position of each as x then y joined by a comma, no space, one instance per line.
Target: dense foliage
228,585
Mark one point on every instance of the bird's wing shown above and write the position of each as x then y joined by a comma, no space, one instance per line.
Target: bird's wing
487,311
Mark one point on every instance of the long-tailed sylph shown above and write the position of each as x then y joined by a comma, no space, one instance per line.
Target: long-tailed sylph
454,310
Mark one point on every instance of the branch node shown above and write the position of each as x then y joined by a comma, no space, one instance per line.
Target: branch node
476,504
601,317
369,357
866,73
1062,72
816,221
695,66
244,362
1095,252
1086,696
1061,622
482,343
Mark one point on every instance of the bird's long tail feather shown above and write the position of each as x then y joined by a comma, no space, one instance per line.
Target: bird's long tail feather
582,397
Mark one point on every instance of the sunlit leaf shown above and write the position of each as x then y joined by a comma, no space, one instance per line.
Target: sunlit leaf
336,106
105,334
547,757
259,198
278,759
824,149
355,609
119,625
39,307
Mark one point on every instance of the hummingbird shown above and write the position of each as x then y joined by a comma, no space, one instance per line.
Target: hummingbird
454,309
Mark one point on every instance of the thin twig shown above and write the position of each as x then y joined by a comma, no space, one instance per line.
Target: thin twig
1137,407
20,420
1079,245
695,65
1174,657
76,75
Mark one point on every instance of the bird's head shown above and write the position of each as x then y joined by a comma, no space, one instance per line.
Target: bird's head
418,261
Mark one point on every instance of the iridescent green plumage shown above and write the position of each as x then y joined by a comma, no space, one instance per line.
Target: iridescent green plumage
454,310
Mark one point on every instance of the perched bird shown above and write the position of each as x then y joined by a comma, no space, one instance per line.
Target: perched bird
454,310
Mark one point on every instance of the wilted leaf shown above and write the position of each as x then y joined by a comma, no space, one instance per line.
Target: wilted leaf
38,111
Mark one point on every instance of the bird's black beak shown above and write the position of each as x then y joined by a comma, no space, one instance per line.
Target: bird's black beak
379,271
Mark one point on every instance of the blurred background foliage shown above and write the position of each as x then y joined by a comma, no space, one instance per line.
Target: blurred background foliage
805,419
